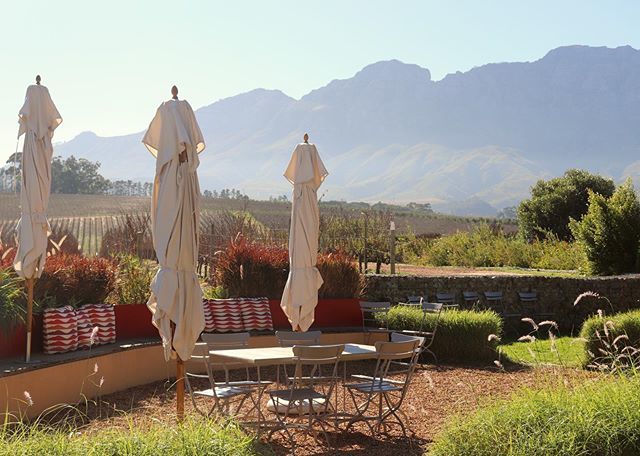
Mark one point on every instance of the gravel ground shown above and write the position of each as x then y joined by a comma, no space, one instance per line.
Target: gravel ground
436,393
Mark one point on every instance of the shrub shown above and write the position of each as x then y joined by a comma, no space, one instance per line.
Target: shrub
251,269
462,335
487,246
12,302
554,202
610,231
133,280
340,275
597,418
75,280
612,342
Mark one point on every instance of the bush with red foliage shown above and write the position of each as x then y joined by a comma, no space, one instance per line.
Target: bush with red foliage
75,280
341,277
250,269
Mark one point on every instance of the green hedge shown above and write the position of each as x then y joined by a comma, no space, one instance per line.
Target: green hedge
462,335
621,324
202,437
596,418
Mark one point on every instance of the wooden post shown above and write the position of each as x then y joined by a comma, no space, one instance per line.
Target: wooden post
180,389
365,242
392,247
139,241
179,381
29,317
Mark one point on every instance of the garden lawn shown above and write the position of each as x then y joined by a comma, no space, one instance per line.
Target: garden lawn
569,352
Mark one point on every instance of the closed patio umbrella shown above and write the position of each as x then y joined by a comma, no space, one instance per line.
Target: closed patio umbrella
175,139
305,172
38,119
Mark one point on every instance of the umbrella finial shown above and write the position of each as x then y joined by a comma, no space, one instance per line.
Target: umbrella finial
174,92
38,79
306,138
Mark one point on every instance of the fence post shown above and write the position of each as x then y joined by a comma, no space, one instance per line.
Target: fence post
392,246
139,238
212,249
365,242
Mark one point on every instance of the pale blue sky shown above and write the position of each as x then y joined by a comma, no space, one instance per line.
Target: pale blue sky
108,64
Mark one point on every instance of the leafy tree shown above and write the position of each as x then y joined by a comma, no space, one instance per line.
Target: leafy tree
554,202
77,175
610,231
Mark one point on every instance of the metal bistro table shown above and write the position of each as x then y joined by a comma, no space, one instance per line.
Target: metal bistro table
273,356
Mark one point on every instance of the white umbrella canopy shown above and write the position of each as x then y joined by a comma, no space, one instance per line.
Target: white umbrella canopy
38,119
176,294
305,172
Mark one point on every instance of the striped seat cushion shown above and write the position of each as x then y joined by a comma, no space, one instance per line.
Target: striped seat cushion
60,330
237,315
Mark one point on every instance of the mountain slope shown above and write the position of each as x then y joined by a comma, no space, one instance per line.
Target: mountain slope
392,133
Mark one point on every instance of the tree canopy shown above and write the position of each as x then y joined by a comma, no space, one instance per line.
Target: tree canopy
554,202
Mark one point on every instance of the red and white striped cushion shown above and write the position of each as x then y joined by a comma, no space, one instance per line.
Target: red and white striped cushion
256,314
237,315
85,327
209,324
60,330
104,317
227,315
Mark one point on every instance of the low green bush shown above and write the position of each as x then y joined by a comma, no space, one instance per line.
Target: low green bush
133,280
485,246
597,418
12,300
462,335
202,437
612,341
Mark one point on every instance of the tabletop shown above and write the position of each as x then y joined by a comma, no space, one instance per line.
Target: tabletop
283,355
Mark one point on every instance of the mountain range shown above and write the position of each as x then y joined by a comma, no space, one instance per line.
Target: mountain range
470,143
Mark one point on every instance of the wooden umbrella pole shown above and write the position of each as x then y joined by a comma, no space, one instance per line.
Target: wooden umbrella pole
29,317
179,381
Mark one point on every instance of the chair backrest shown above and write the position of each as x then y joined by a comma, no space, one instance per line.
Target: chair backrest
318,354
528,296
371,309
399,337
470,296
414,300
226,341
432,307
397,350
291,338
493,295
445,298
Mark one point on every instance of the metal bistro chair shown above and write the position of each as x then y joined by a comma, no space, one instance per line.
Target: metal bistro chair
495,302
374,313
308,401
470,298
378,398
448,300
530,307
229,396
427,336
291,338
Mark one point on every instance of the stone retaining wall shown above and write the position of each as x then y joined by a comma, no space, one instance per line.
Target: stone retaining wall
555,294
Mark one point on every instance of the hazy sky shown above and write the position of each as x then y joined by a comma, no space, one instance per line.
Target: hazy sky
109,64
